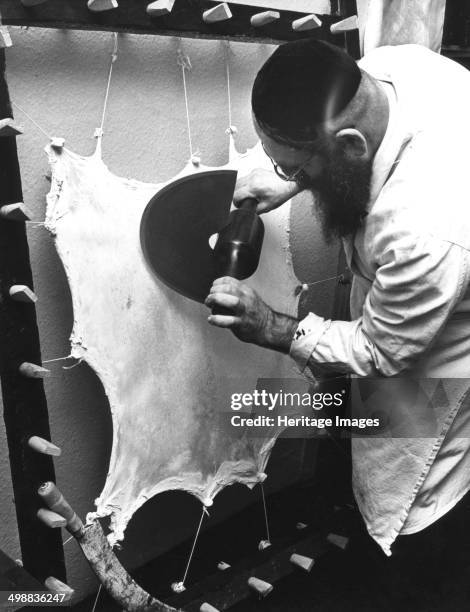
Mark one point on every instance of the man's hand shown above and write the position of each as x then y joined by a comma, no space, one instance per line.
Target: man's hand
266,187
252,320
251,316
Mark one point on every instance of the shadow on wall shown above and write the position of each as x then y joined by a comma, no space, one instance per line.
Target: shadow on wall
315,261
59,78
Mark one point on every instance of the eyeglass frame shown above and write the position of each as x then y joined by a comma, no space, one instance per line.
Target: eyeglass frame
280,172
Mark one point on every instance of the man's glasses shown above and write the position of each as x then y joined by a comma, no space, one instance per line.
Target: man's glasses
299,176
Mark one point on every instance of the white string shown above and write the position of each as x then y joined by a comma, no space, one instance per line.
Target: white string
265,513
227,72
31,119
185,63
108,86
96,599
57,359
74,365
68,540
204,511
324,280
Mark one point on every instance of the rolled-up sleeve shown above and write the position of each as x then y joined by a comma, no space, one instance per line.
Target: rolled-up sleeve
417,285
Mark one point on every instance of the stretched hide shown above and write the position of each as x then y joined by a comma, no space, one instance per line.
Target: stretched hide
167,373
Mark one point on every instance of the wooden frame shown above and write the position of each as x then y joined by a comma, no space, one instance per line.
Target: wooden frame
185,19
24,400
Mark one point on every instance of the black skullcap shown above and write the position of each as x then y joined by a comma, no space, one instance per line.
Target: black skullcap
301,85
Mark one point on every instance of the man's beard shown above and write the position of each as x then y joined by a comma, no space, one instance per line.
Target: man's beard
341,195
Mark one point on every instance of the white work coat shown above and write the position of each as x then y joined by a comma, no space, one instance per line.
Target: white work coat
410,298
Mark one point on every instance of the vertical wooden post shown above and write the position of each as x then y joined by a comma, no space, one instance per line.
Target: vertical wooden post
24,400
353,46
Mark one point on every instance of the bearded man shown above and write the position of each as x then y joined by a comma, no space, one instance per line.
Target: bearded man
383,147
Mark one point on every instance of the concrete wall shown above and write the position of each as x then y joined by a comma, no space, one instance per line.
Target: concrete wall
59,78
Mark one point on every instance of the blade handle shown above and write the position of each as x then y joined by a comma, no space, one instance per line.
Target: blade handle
239,245
250,204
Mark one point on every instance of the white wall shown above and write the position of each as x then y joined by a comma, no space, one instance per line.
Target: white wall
59,78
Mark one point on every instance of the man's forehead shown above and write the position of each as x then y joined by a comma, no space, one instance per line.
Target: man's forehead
278,150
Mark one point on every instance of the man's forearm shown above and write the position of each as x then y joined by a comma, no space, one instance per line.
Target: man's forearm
280,332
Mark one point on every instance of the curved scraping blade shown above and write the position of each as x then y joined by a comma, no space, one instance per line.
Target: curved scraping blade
177,224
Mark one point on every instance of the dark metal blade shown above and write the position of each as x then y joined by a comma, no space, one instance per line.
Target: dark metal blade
177,224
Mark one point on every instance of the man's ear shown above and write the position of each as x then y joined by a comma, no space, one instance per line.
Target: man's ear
352,142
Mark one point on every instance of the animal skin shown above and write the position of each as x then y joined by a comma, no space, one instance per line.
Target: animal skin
167,373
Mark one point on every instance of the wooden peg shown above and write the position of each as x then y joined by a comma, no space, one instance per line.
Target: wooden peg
206,607
305,563
260,587
310,22
221,12
221,565
261,19
57,586
213,240
14,212
5,38
32,370
264,544
178,587
160,7
9,128
337,540
32,2
56,502
99,6
51,519
44,446
57,142
301,526
22,293
346,25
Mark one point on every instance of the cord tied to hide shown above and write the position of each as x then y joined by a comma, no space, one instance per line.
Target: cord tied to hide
341,278
99,131
232,130
178,587
183,60
70,367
